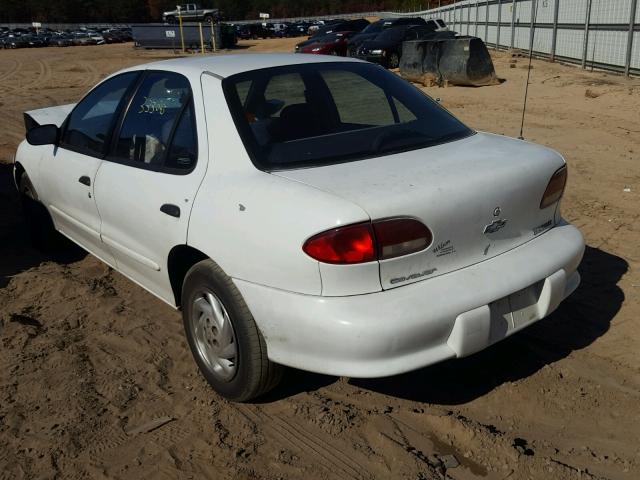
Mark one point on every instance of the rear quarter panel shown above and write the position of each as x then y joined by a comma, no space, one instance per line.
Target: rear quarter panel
252,223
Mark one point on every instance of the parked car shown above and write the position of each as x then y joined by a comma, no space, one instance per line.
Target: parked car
298,29
61,40
332,44
243,32
32,41
309,211
191,12
386,48
375,28
83,38
339,26
112,36
14,41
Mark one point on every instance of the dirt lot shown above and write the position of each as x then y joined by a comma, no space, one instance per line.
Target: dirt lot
87,357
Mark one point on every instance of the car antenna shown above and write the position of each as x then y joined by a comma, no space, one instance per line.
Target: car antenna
526,89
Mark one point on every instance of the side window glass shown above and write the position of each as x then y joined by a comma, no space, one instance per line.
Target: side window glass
148,125
183,152
91,120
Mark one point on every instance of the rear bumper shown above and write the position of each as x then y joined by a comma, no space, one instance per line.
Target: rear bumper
412,326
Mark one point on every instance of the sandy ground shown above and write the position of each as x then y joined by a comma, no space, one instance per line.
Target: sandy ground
87,359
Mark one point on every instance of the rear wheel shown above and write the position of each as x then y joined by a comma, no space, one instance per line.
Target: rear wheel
223,336
208,19
171,20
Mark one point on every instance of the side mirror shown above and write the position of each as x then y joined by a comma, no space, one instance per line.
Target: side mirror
44,135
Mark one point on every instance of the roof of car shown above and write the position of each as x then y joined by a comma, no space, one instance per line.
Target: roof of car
227,65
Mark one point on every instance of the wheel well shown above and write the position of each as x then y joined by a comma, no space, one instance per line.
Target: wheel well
181,259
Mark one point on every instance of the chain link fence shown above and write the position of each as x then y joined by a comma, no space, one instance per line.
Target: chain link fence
593,33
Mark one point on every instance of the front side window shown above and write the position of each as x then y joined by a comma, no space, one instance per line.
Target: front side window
324,113
89,125
161,110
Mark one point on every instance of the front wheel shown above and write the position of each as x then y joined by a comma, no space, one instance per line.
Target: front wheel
394,60
223,336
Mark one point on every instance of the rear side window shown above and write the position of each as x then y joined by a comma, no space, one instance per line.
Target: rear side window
183,152
161,112
89,125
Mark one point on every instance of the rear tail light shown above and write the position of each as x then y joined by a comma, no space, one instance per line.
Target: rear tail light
555,188
366,242
400,236
350,244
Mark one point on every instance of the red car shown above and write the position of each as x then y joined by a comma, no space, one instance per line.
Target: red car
333,44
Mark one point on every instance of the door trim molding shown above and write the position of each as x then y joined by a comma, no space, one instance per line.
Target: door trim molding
147,262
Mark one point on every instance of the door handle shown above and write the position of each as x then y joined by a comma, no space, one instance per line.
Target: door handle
171,210
85,180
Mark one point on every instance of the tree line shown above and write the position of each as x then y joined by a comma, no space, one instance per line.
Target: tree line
130,11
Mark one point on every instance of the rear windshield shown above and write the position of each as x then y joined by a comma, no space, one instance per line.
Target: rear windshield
323,113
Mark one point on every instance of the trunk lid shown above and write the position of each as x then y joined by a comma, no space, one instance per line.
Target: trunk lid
479,196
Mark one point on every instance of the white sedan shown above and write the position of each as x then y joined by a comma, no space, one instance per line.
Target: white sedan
308,211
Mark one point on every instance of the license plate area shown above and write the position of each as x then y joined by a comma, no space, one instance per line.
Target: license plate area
524,305
514,311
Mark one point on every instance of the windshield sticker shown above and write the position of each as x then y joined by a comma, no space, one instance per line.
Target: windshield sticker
444,248
153,105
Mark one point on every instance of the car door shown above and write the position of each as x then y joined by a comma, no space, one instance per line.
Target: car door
71,170
191,13
146,186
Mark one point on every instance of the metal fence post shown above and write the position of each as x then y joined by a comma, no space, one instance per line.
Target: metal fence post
455,17
513,21
586,34
486,22
499,25
632,21
554,34
476,19
532,25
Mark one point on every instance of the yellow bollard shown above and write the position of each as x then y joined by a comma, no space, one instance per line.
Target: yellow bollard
201,38
213,37
181,31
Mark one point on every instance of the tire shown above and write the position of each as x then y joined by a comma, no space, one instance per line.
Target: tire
41,229
171,20
208,19
227,346
394,60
